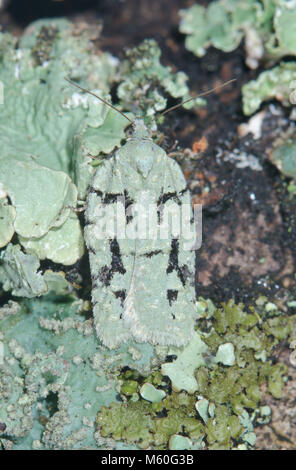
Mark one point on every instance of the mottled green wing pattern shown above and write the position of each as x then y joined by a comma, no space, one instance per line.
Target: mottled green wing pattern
142,285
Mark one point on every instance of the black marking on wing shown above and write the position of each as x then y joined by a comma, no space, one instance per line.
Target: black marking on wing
120,294
164,197
111,198
151,253
88,222
128,202
106,273
182,271
96,191
172,296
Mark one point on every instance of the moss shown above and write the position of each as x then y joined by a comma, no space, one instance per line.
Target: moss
231,392
130,423
276,379
223,429
140,423
129,387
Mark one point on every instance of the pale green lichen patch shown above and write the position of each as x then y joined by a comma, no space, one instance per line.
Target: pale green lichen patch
43,392
181,371
264,415
152,394
59,110
7,218
202,407
276,83
11,308
267,28
46,150
284,157
209,26
63,245
225,354
146,81
41,196
19,272
179,442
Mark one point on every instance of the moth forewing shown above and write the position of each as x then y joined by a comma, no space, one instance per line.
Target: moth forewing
142,284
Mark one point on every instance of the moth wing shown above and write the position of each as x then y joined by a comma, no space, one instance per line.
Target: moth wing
109,268
160,305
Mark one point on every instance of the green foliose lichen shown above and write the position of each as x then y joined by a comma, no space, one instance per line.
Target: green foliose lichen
267,28
283,155
46,129
123,422
276,83
147,82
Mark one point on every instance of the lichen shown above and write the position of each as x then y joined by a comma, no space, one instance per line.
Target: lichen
45,394
278,82
224,403
59,387
267,28
124,421
181,371
20,273
7,218
59,134
47,144
147,82
48,405
283,155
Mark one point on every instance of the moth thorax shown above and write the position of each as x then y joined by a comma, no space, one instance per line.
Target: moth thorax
144,164
140,130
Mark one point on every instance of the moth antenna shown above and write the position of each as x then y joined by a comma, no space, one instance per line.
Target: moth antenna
99,98
198,96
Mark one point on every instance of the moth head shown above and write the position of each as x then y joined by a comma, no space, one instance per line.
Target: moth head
139,130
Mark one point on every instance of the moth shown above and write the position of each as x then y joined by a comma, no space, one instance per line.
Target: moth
143,286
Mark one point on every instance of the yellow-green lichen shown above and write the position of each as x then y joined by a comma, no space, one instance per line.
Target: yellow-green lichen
224,404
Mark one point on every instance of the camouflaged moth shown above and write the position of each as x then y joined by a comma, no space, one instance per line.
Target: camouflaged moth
142,287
